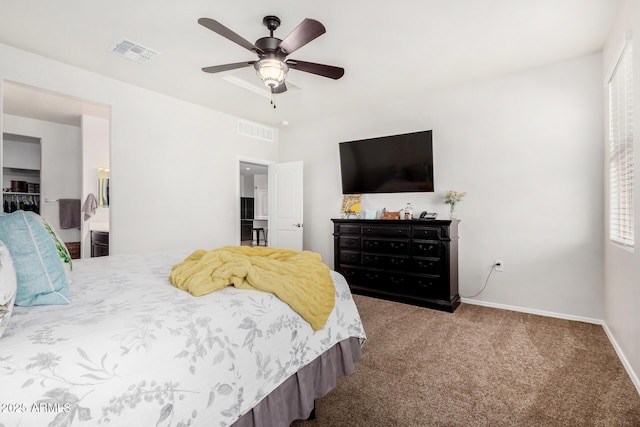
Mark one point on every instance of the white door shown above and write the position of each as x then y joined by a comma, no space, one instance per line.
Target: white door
285,205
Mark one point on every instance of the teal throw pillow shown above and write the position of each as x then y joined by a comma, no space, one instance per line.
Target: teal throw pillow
40,274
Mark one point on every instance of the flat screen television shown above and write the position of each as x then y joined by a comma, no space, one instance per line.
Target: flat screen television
388,164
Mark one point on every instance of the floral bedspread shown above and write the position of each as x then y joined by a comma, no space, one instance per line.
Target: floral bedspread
131,349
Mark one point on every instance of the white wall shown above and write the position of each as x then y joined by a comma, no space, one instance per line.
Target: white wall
60,174
246,186
172,162
21,154
527,147
621,266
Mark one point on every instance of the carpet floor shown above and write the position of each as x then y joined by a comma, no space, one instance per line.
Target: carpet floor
479,366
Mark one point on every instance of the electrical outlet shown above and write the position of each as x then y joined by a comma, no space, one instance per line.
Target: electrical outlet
499,265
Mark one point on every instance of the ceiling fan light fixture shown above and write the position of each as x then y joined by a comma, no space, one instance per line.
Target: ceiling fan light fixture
271,71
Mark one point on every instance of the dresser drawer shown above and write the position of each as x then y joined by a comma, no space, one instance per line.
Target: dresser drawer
348,229
379,230
385,261
349,257
429,286
426,248
400,247
426,265
362,278
350,242
412,285
426,233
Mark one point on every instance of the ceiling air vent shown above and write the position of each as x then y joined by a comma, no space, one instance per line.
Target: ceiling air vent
134,51
257,131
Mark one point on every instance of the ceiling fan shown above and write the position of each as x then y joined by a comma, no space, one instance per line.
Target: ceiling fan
272,65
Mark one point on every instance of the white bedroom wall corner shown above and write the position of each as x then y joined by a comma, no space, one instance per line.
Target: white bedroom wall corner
623,358
622,266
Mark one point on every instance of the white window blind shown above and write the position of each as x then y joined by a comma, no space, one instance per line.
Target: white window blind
621,156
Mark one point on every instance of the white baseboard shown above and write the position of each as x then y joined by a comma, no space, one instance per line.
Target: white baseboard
533,311
627,366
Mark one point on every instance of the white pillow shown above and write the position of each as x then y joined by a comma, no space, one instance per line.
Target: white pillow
8,286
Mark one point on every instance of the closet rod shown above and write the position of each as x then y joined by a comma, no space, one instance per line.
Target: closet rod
51,200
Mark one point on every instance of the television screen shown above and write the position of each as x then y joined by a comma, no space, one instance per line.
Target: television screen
389,164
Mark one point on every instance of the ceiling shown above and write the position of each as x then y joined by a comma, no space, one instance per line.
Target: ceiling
26,101
388,49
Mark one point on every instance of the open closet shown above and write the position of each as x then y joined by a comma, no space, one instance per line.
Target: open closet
20,173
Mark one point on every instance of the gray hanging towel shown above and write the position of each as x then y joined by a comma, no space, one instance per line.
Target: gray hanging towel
69,213
89,206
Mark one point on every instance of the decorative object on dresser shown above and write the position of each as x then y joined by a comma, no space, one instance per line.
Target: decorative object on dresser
453,198
414,262
350,205
390,215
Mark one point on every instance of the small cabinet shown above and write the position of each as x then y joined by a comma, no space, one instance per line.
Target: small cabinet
415,261
99,243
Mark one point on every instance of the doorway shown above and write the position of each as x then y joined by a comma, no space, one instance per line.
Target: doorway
65,126
253,203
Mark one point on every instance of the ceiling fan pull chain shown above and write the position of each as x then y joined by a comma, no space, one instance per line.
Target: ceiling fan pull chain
273,99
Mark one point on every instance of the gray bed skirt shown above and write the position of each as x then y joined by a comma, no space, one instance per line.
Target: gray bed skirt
294,399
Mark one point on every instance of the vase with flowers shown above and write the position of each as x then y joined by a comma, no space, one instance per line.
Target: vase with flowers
453,198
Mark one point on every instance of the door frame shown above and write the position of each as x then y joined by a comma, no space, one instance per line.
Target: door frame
239,160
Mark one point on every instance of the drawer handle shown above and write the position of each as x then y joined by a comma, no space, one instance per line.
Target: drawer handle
395,245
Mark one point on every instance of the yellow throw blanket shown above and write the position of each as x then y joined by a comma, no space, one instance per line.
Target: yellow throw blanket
298,278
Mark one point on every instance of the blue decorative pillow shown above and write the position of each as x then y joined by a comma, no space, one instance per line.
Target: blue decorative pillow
40,274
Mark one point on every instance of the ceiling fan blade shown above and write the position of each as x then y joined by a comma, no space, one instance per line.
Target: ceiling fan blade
307,30
280,89
218,28
319,69
227,67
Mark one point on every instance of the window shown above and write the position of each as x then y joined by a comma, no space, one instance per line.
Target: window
621,157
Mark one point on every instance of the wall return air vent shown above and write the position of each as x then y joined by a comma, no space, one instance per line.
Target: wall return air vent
257,131
134,51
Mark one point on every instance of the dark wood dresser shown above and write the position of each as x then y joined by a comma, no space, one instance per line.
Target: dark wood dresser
410,261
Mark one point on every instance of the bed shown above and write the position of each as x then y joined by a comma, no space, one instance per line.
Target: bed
131,349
